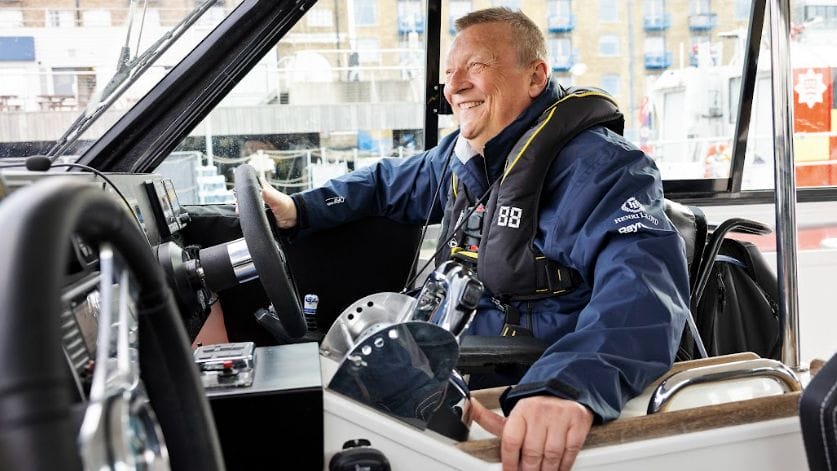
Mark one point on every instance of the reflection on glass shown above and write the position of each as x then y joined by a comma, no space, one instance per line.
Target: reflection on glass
80,50
346,86
402,370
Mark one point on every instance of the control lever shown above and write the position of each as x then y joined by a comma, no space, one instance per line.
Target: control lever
449,298
268,319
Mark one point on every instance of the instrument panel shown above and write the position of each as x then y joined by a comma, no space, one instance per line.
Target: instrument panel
152,201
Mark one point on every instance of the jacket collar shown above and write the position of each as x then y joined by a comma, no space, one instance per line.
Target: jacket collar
498,148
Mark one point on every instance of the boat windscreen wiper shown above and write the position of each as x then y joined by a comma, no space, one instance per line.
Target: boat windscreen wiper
127,72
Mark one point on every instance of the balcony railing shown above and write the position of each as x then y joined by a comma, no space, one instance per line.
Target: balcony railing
560,23
703,21
657,22
657,60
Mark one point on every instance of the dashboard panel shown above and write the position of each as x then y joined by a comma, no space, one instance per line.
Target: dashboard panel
151,201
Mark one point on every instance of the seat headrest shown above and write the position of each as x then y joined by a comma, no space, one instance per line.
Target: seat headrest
684,219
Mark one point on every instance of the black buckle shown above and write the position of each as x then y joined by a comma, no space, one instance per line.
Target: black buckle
511,326
556,278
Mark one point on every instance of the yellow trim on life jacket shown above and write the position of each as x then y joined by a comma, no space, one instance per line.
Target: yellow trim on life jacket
454,185
551,110
464,253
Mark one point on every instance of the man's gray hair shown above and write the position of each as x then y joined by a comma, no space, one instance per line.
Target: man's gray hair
528,37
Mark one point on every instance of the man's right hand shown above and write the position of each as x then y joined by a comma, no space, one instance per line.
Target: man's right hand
282,206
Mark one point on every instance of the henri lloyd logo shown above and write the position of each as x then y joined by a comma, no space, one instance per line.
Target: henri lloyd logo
334,200
632,206
636,216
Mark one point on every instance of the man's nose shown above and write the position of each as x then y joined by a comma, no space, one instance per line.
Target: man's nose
456,82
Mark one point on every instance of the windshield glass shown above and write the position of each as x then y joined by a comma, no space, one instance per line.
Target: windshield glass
347,85
60,63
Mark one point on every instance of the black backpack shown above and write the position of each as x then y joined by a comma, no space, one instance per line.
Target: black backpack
734,298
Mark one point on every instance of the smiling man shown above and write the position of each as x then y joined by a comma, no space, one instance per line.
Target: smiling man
565,227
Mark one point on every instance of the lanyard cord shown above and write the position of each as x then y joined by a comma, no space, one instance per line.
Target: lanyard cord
444,243
410,279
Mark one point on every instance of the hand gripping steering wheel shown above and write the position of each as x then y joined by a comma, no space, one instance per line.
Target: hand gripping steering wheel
266,253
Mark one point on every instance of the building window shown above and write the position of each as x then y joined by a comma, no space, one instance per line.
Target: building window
656,55
609,45
700,7
609,10
365,13
561,53
96,18
560,17
655,17
827,15
742,9
63,81
610,84
654,8
59,18
561,8
320,18
457,9
410,16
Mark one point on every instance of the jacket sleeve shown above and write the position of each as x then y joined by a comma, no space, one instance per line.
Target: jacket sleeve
606,219
401,189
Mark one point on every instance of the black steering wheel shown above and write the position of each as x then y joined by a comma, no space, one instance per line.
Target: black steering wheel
267,255
38,426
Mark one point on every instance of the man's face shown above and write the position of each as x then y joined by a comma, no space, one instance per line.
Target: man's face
485,85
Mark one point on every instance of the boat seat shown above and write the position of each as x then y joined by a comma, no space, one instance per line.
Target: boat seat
818,416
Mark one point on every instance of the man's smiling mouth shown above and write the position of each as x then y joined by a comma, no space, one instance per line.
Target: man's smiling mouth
470,104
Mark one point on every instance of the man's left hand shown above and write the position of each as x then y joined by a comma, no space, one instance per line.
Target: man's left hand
542,432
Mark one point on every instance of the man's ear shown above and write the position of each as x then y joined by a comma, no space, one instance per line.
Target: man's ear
538,78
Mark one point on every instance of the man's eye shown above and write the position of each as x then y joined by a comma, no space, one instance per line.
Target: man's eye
476,66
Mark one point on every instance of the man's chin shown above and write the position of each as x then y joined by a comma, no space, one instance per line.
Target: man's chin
468,132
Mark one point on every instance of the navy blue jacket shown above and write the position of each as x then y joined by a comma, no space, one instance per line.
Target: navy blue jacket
601,214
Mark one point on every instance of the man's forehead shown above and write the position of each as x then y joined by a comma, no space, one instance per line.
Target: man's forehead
474,42
469,52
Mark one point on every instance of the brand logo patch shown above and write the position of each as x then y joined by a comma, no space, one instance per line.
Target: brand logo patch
334,200
631,228
632,206
635,213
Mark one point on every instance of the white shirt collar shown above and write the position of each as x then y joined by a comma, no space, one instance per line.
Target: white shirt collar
463,150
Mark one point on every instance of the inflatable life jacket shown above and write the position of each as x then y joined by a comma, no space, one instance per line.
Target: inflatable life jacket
498,237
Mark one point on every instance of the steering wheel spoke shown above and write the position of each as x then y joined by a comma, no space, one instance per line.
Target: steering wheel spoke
119,428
